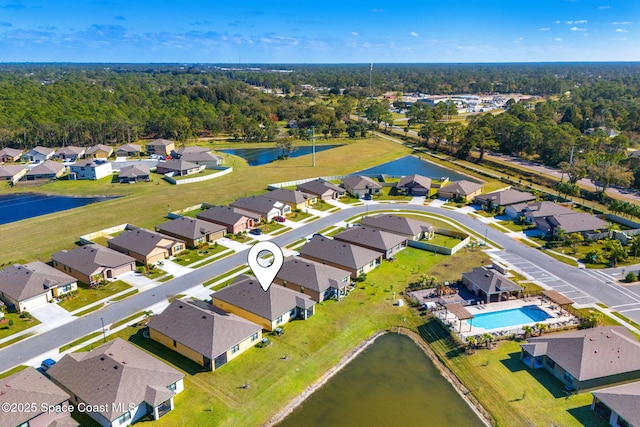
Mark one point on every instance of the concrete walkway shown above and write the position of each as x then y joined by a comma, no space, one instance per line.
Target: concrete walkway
174,268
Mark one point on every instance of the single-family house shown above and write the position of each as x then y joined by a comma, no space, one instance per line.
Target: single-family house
388,244
503,198
619,404
179,167
489,285
227,216
575,222
8,154
414,185
322,189
533,211
586,358
128,150
358,186
99,151
160,147
119,382
33,394
319,281
31,285
410,228
90,169
203,333
204,158
269,309
12,173
189,149
263,207
353,258
93,264
46,170
38,154
194,232
462,189
134,173
295,199
147,247
70,153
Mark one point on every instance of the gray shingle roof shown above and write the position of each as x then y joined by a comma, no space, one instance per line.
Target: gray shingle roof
134,171
415,180
129,148
160,142
42,150
371,237
506,197
190,228
71,150
591,353
91,259
47,168
462,187
177,165
10,152
28,386
116,372
10,171
542,209
288,196
319,187
576,222
260,204
245,292
490,280
191,149
624,400
397,224
222,215
340,253
312,275
21,282
202,327
358,182
143,241
99,147
201,157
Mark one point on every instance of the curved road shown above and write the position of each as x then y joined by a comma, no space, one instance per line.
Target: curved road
596,287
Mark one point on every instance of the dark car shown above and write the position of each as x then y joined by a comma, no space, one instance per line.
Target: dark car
279,219
256,231
367,196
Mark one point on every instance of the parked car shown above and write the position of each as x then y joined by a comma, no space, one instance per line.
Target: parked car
279,219
367,196
256,231
46,364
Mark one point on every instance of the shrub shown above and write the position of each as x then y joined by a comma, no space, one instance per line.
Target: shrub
10,322
631,277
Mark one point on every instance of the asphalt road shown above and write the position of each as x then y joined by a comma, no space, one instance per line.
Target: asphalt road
594,285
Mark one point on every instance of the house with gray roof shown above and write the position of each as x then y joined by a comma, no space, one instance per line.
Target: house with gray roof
533,211
147,247
161,147
358,185
322,189
261,207
414,185
179,167
12,173
575,222
128,150
30,387
271,308
319,281
90,169
388,244
70,153
189,149
463,189
488,284
203,333
99,151
46,170
294,198
410,228
203,158
235,221
31,285
38,154
346,256
121,381
194,232
620,404
586,358
134,173
8,154
503,198
93,264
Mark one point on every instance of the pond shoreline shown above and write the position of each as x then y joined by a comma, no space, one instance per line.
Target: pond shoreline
482,414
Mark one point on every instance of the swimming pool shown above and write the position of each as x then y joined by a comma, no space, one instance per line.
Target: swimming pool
509,318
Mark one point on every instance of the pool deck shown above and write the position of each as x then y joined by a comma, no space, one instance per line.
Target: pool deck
559,318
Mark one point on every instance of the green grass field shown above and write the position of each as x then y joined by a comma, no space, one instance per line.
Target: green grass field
86,295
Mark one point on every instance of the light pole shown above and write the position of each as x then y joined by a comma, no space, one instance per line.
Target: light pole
104,334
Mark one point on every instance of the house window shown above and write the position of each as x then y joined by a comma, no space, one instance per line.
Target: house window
360,271
235,349
66,288
371,264
254,337
279,320
173,387
568,377
175,344
123,418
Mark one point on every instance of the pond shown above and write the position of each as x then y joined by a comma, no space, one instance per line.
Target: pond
411,164
391,383
262,156
15,207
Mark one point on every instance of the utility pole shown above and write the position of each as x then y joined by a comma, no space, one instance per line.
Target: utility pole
104,334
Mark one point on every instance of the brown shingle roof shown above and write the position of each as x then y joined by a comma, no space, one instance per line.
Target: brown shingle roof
47,168
506,197
624,400
576,222
542,209
116,372
190,228
397,224
259,204
71,150
415,180
358,182
462,187
590,353
21,282
160,142
129,148
92,259
10,152
10,171
490,280
371,237
319,187
24,387
340,253
245,292
202,327
288,196
312,275
222,215
191,149
142,241
99,147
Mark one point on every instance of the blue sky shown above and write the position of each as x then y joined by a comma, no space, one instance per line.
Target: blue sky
325,31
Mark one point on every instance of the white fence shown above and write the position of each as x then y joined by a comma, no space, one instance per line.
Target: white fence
425,245
88,238
223,171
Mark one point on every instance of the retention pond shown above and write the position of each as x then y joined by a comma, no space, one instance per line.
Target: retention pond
15,207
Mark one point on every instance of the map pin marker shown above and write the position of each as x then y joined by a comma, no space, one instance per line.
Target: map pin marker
265,274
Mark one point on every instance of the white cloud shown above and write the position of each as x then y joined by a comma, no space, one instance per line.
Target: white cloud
622,23
620,30
377,10
413,34
578,29
558,39
544,29
580,21
355,33
604,7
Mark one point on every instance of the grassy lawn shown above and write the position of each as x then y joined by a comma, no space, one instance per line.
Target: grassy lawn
515,227
299,216
123,296
154,273
79,341
222,276
89,310
323,206
86,295
350,200
334,232
442,240
18,324
391,193
513,394
190,256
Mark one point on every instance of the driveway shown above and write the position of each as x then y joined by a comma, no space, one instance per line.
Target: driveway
51,315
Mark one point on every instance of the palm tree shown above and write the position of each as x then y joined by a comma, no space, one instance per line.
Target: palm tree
528,331
541,327
471,343
635,245
487,339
